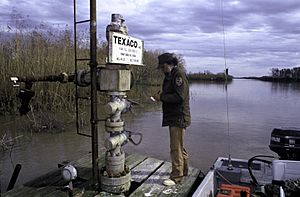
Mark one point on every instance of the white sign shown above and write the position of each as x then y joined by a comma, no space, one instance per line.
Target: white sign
125,49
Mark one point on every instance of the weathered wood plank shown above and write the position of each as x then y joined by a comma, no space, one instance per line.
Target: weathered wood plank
76,193
50,177
54,176
28,192
184,187
86,173
153,185
86,161
31,192
17,192
84,190
134,159
105,194
57,193
142,171
42,191
149,172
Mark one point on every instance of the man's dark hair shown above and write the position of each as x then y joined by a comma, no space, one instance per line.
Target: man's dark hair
168,58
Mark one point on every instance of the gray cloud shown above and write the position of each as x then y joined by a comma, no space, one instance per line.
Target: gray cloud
259,34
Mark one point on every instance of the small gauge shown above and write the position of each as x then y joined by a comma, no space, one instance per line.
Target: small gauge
69,173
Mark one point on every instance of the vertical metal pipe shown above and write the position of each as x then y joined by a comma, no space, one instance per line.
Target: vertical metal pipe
75,58
93,68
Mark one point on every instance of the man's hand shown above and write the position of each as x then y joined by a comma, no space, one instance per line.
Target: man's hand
157,96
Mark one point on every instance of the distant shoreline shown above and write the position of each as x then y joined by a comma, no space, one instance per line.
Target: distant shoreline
209,77
272,79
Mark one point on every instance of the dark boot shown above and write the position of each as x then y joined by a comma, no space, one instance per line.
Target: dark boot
185,168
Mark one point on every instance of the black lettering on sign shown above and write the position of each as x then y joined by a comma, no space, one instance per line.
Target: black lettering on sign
115,39
125,42
119,40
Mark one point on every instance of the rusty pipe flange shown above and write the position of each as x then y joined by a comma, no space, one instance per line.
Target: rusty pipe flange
114,126
115,185
114,129
115,93
109,123
115,165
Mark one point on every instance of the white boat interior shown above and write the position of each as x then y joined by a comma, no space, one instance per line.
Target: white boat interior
261,175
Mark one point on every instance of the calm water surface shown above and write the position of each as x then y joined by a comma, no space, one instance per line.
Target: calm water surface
254,109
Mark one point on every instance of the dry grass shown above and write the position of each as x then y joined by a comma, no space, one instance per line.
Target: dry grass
48,51
36,54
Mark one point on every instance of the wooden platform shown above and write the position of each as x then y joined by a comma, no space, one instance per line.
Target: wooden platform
147,177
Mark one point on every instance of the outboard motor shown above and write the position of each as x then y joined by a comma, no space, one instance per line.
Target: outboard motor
286,143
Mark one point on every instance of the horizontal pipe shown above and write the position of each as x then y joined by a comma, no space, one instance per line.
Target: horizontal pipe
51,78
84,21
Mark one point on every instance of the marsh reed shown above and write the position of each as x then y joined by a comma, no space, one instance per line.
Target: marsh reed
48,51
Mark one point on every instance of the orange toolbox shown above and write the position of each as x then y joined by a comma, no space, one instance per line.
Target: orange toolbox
233,191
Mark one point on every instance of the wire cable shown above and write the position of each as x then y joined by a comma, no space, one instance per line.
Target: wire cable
256,158
226,89
223,177
224,41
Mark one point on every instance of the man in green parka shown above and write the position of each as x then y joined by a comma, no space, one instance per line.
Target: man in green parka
176,113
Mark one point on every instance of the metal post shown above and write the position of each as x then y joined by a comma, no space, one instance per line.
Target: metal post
93,68
14,177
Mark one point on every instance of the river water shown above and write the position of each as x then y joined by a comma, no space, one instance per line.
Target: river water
238,122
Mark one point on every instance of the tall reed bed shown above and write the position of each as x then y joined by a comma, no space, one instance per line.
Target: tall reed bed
48,51
38,52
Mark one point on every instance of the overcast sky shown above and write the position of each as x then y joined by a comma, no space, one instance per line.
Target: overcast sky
259,34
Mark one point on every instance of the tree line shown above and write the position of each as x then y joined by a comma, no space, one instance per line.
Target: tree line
292,73
286,75
208,76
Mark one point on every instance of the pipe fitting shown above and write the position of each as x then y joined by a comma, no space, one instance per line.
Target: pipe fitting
117,105
115,141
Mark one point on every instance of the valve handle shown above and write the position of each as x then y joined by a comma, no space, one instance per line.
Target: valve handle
131,133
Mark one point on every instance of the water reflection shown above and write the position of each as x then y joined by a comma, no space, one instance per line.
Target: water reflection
285,87
254,109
